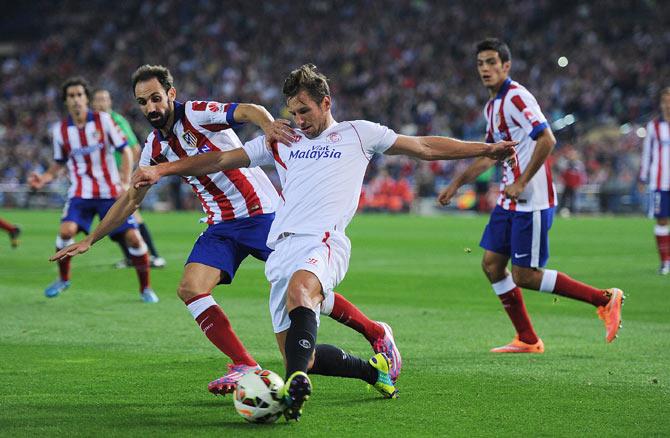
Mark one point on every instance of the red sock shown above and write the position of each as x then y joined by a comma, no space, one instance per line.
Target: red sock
64,268
216,326
663,243
7,226
513,303
141,264
348,314
571,288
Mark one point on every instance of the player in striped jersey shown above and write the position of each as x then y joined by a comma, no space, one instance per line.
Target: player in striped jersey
519,225
655,173
102,101
239,205
85,142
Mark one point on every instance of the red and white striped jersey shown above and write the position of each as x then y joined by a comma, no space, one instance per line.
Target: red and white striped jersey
201,127
655,162
515,115
89,154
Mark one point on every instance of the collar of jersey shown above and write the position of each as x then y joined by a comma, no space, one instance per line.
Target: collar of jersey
179,112
335,123
89,117
504,88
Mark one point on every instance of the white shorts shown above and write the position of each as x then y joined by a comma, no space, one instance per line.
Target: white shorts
326,256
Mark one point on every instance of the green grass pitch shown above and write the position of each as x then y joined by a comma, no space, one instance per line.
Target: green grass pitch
98,362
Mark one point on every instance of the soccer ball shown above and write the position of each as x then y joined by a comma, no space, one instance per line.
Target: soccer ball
257,396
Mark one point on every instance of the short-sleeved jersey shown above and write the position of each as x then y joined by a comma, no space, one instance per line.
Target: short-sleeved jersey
515,115
655,162
201,127
321,177
127,131
88,153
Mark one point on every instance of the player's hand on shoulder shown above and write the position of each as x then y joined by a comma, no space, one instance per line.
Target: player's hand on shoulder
279,131
502,150
145,176
71,250
445,196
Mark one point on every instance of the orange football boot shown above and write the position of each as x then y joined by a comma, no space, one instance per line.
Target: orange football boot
611,313
517,346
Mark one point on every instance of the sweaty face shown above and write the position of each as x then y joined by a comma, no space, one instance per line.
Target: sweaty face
156,104
102,101
76,100
492,71
308,115
665,105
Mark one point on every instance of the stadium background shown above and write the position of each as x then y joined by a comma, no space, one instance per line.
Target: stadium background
97,361
595,68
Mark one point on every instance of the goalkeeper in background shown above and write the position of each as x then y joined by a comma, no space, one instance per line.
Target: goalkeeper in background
102,101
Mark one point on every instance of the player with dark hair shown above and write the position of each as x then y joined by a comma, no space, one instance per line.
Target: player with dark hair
321,172
239,205
519,225
655,173
85,142
102,101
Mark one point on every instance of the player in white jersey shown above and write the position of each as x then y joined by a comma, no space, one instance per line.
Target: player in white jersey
519,225
321,173
239,205
655,173
85,142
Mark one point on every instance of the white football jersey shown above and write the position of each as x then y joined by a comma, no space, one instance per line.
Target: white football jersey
515,115
321,177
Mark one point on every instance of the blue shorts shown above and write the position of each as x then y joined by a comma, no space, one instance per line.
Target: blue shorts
224,245
82,211
521,235
660,204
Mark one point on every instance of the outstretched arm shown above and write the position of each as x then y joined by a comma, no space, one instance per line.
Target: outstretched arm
198,165
445,148
122,208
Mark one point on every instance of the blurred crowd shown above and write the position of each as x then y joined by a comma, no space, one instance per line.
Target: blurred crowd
409,64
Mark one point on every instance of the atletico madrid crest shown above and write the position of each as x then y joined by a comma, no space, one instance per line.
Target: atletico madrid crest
190,138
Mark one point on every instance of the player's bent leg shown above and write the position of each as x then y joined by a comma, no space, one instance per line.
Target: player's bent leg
139,256
511,297
330,360
194,290
379,334
66,233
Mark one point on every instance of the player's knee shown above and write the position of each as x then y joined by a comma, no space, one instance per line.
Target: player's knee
297,296
491,269
67,232
186,290
133,240
522,277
